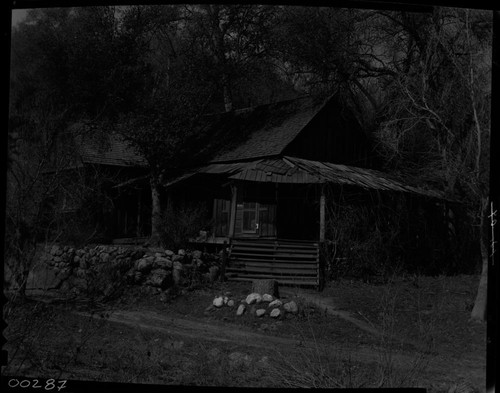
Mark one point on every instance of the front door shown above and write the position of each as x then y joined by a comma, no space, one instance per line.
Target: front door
256,219
250,222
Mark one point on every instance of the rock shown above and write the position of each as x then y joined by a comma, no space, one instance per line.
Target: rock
177,276
104,257
57,259
275,303
158,254
230,303
226,299
291,307
265,286
169,253
275,313
159,278
177,265
218,301
241,310
198,262
197,254
253,298
267,298
163,262
238,359
181,252
144,264
214,273
177,258
56,250
260,312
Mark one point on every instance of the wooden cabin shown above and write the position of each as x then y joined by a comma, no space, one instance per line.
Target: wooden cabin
108,167
264,184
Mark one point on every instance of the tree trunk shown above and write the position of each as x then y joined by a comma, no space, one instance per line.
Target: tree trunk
226,90
155,213
220,54
480,304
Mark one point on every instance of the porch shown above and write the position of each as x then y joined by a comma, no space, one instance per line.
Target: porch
272,212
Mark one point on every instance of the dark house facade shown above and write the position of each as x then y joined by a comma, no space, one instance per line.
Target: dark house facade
265,179
105,193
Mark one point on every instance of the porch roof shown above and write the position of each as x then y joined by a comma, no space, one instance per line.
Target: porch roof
300,171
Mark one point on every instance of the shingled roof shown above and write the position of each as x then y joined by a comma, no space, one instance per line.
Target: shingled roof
294,170
109,150
260,131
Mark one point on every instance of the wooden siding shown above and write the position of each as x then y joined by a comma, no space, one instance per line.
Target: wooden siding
334,135
221,216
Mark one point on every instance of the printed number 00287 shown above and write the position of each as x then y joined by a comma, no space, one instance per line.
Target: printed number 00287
50,384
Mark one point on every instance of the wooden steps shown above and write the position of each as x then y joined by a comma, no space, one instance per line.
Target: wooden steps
289,262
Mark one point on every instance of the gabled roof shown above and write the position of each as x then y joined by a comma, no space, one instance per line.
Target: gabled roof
109,150
300,171
76,148
260,131
244,134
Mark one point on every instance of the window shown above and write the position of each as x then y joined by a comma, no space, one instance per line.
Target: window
250,217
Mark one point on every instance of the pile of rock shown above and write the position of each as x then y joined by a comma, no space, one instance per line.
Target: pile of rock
163,268
259,305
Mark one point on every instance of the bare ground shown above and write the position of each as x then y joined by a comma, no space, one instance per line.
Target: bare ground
402,334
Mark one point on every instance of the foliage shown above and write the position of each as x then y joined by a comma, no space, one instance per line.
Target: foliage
388,234
182,222
362,243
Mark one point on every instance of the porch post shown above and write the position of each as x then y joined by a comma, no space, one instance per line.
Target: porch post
322,215
232,216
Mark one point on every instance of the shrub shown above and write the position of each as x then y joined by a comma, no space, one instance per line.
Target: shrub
180,223
361,242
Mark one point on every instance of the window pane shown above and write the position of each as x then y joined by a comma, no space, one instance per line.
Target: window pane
249,220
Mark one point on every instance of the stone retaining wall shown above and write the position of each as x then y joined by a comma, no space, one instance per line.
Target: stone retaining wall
103,269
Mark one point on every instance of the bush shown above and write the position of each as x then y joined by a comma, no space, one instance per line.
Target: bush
180,223
361,243
395,233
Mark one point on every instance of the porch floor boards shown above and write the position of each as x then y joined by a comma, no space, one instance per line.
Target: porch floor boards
288,262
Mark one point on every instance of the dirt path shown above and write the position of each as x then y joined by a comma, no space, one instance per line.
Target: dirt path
448,370
329,306
225,332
